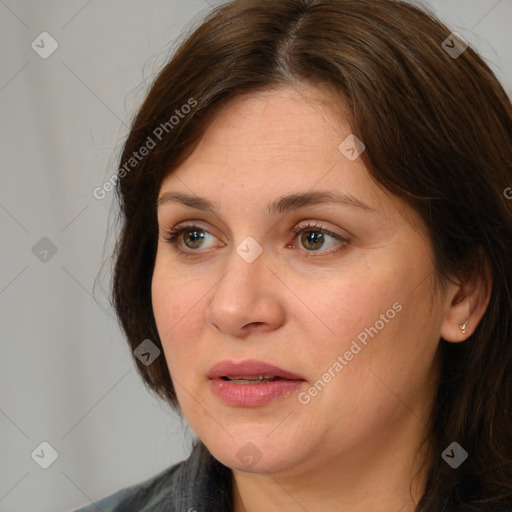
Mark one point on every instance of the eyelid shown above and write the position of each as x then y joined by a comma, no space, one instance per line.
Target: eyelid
308,224
173,235
316,226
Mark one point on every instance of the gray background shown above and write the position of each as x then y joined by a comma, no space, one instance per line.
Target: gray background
66,373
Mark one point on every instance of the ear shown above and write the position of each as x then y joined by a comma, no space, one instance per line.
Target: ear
467,302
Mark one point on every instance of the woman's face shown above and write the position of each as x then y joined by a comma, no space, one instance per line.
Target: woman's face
345,303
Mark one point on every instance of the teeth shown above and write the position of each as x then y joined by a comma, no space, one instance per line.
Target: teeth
251,380
252,377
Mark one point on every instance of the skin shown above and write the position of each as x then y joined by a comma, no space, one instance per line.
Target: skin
357,444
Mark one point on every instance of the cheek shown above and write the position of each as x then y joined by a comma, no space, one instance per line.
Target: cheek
172,294
388,345
352,304
381,318
167,303
178,315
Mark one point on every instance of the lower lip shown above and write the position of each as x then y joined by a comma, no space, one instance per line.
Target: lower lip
252,395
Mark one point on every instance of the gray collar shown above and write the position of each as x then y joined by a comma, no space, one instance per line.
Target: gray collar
198,484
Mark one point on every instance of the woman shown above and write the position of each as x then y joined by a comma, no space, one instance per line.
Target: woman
317,236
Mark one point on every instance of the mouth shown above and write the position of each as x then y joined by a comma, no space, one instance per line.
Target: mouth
252,383
260,379
250,371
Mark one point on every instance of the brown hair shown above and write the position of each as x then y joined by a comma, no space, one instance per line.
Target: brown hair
438,133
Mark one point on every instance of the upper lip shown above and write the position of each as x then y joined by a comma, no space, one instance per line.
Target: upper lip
249,368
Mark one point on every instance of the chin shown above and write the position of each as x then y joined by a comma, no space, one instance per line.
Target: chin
254,453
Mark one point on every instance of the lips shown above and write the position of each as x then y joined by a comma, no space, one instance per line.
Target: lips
250,370
252,383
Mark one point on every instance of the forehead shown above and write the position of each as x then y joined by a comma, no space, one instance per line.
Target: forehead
277,142
279,133
276,124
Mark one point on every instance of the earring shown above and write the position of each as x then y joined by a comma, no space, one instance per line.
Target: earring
463,327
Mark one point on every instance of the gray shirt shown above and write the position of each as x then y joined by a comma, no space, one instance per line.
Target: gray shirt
198,484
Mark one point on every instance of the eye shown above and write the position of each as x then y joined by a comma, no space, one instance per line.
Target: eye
191,235
314,237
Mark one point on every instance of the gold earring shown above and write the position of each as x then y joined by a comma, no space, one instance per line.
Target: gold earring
463,327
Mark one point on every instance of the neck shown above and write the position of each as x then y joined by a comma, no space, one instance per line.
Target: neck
381,478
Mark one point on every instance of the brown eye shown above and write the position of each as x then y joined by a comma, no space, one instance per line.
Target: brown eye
314,238
311,239
195,237
191,236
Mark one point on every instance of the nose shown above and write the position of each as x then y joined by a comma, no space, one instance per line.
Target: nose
246,298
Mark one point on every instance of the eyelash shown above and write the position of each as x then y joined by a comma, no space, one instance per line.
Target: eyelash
171,237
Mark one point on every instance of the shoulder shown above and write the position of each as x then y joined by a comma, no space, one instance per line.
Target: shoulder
193,485
137,496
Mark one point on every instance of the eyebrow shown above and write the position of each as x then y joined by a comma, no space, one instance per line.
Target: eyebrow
281,205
